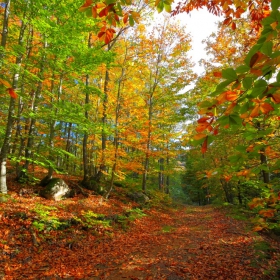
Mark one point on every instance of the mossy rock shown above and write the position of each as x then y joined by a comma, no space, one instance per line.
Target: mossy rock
139,197
44,182
56,189
92,185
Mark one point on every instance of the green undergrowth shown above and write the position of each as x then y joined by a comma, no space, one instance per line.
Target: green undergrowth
263,252
262,247
47,218
167,229
237,212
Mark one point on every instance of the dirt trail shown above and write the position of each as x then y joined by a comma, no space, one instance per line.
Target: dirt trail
190,243
193,243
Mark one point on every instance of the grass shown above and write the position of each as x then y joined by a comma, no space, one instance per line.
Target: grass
166,229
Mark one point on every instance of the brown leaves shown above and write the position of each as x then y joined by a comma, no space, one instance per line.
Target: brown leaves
260,106
161,241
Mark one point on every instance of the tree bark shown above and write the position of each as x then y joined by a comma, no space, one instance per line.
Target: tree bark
160,174
116,136
30,140
11,113
5,31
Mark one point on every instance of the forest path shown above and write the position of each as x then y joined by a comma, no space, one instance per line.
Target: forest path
171,244
190,243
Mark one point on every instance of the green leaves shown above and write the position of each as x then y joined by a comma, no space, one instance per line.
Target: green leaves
242,69
163,4
275,4
259,88
229,74
230,120
247,82
267,48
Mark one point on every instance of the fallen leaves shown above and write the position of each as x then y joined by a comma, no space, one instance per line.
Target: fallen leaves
203,244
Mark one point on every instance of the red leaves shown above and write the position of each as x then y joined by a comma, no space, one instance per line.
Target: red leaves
9,88
203,126
231,95
227,177
217,74
12,92
125,18
267,213
103,12
86,5
106,34
227,21
204,146
203,119
275,97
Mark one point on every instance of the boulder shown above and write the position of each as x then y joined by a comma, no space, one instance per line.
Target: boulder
56,189
139,197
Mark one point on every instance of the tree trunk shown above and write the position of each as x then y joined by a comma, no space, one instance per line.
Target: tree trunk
239,193
116,136
263,158
148,144
265,174
52,127
68,144
30,140
167,190
85,139
104,118
160,174
5,31
11,113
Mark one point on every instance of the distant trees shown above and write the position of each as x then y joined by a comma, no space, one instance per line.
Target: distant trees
73,105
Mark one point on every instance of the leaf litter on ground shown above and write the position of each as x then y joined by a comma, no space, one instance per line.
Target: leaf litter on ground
200,243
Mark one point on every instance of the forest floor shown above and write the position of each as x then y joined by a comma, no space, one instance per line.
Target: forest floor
172,243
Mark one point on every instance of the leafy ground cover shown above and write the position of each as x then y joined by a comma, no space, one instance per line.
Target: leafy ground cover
89,238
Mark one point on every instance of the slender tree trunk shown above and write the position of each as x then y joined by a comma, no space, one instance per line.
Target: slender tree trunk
21,105
147,155
30,140
104,119
265,174
116,136
148,144
150,116
167,190
160,174
263,159
5,31
8,133
239,193
52,128
11,113
85,139
68,144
